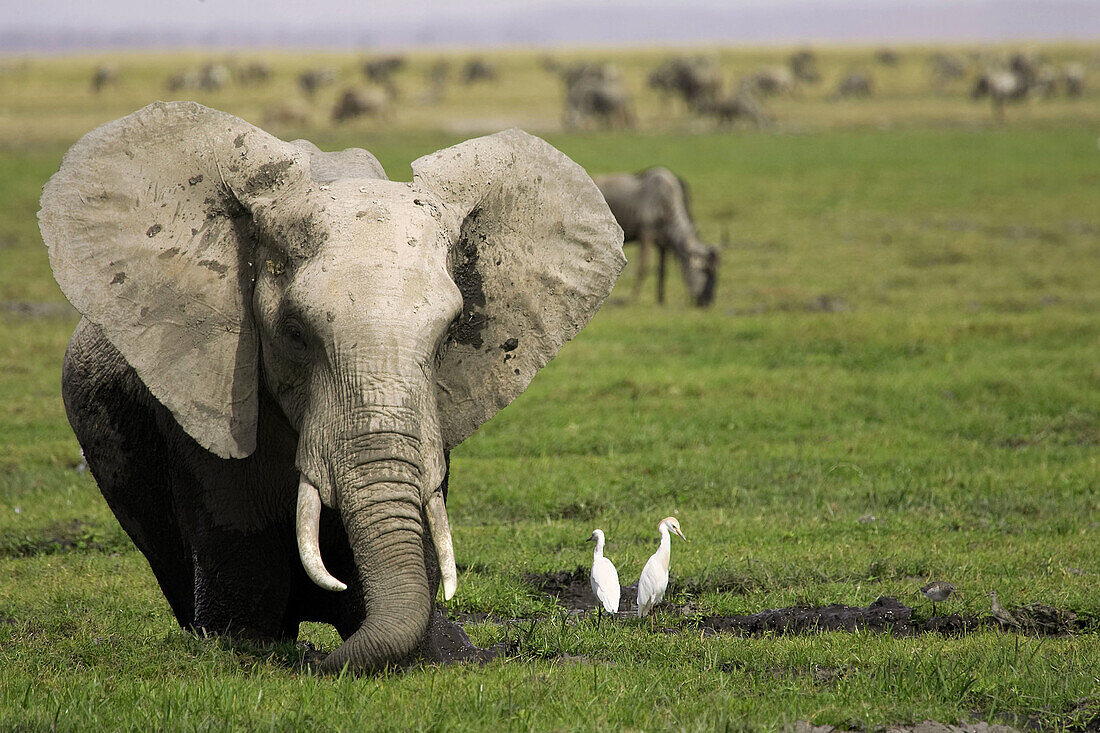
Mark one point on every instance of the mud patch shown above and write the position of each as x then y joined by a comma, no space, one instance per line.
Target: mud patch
570,589
70,536
447,643
573,591
925,726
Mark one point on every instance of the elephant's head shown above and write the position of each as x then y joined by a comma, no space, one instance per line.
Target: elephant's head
388,320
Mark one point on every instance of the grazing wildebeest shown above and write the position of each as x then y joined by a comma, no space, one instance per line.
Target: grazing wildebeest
286,114
182,79
653,208
768,81
1074,78
804,66
359,103
887,57
1001,87
256,72
696,80
855,84
946,69
313,79
103,76
381,70
740,105
477,70
595,92
213,77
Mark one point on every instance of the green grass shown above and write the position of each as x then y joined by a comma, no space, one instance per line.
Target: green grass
906,326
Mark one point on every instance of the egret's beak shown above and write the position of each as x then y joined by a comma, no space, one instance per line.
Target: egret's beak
681,534
591,539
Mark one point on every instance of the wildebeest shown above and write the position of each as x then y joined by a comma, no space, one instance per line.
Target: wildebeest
381,71
740,105
476,70
946,69
1001,87
286,114
696,80
596,92
887,57
803,65
311,80
653,208
1073,76
359,103
182,79
253,73
103,76
854,84
213,77
768,81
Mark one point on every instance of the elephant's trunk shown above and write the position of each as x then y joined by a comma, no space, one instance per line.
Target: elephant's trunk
379,499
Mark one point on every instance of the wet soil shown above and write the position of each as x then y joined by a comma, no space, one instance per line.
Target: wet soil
61,537
447,643
925,726
571,590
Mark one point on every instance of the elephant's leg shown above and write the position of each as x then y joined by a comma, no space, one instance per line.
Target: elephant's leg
114,419
239,516
661,252
241,586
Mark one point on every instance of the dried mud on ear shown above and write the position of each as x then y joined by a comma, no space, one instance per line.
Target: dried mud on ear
571,590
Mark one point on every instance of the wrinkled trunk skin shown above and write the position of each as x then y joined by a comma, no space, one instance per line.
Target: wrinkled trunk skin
379,498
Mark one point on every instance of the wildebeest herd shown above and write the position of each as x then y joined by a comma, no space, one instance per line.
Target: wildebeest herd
652,206
596,94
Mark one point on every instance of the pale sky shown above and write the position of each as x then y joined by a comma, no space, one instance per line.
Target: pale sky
40,24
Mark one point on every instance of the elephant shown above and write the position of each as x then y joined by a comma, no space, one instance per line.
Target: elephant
279,347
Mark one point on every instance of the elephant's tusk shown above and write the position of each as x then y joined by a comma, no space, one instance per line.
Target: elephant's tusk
444,548
308,530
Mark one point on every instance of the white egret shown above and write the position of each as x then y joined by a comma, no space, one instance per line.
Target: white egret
654,580
605,578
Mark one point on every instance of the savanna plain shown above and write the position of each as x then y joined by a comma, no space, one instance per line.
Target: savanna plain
898,382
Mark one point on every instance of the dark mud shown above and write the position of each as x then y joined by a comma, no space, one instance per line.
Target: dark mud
447,643
571,590
63,537
926,726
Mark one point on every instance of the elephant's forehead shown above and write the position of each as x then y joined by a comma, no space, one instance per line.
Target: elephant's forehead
382,216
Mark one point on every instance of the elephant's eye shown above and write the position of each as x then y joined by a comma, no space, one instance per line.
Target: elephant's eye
294,333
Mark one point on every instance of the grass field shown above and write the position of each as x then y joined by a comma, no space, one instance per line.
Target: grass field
899,381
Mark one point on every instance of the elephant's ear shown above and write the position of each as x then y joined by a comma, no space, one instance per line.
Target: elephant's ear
537,253
148,224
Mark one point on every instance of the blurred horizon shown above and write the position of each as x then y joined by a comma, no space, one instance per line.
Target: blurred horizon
54,26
